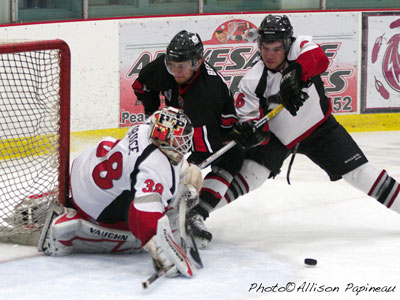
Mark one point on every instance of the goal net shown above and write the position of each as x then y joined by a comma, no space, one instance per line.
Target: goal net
34,135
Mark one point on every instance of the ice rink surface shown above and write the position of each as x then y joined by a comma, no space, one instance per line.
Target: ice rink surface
260,242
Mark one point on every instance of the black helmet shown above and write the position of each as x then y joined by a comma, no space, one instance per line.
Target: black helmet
185,46
274,28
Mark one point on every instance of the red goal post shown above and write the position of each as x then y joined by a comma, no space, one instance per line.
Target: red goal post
34,135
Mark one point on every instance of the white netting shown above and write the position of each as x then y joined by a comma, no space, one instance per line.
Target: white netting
29,138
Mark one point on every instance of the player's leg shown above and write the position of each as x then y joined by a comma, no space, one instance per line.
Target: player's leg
261,162
377,183
215,185
250,177
340,156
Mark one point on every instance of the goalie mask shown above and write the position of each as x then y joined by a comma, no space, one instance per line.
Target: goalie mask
276,28
184,46
172,132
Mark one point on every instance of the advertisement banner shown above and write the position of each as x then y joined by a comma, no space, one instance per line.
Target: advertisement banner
381,62
230,46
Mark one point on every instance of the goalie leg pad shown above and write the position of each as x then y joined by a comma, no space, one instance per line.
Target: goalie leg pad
69,233
167,254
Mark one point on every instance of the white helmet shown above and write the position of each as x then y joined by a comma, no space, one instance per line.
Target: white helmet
172,132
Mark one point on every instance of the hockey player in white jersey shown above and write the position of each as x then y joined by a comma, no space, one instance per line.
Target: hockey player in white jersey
121,191
288,73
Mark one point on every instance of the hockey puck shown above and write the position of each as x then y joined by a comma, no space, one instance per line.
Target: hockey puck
310,261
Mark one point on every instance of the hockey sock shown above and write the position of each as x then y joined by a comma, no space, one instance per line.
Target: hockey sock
376,183
215,185
386,191
251,176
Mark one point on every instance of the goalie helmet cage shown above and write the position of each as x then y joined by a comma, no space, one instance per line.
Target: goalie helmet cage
34,135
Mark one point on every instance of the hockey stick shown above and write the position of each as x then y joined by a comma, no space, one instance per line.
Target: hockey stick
260,123
154,277
194,252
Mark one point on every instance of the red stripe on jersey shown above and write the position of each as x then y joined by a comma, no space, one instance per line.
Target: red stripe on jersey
143,224
137,87
394,196
309,131
313,62
376,182
229,122
198,140
218,178
244,182
303,43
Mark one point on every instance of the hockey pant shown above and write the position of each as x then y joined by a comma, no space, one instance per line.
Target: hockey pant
70,233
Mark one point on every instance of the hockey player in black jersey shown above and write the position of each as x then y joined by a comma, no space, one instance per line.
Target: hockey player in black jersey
188,82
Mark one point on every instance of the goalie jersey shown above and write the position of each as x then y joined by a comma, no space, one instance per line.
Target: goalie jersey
107,178
206,100
316,109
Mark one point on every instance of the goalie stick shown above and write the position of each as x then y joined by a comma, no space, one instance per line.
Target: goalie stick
231,144
154,277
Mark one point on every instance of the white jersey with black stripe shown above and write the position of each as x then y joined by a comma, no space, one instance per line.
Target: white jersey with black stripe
287,128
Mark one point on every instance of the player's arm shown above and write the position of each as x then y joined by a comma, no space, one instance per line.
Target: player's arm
249,111
150,99
149,224
148,206
147,86
310,61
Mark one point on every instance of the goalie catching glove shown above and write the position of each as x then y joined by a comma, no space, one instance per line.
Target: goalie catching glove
192,179
291,94
247,135
168,257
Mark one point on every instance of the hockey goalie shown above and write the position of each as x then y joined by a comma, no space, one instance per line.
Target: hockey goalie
127,195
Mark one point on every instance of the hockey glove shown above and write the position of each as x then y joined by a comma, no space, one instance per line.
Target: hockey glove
247,135
291,94
191,175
